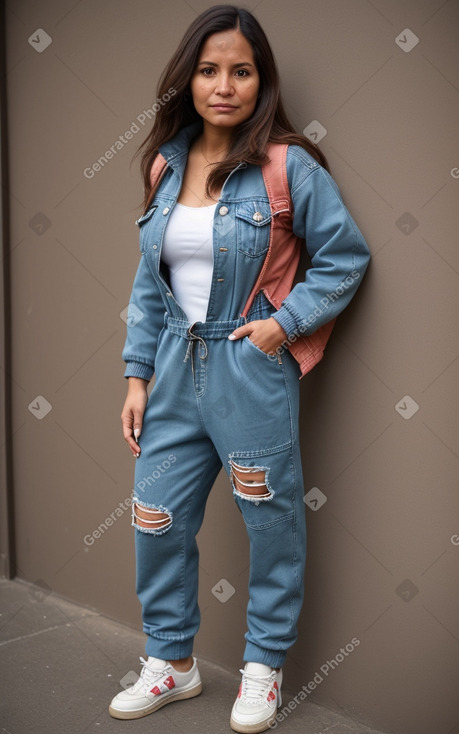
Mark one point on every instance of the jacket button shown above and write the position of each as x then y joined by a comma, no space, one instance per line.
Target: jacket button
258,216
155,247
166,210
223,210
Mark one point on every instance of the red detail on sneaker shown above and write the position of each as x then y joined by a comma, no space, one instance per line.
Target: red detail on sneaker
240,691
275,685
271,695
165,685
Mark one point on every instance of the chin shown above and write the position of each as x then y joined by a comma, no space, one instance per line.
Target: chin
219,122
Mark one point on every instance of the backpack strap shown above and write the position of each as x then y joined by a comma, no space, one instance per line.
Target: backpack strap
275,179
157,171
280,202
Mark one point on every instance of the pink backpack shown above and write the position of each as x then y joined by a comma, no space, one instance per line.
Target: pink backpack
280,266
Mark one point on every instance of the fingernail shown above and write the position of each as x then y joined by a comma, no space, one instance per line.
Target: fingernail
231,337
136,434
136,455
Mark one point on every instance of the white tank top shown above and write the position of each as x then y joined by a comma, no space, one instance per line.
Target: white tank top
187,251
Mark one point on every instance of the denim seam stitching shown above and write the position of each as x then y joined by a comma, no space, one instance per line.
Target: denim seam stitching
259,452
277,521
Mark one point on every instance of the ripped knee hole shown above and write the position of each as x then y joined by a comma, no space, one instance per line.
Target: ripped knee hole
249,481
149,518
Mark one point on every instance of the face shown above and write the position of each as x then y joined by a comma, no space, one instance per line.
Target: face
225,82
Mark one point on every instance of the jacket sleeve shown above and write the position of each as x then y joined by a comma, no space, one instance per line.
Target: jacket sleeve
145,319
339,254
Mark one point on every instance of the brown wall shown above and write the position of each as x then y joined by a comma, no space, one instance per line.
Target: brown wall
383,552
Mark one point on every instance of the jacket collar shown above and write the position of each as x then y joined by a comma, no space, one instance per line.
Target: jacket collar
173,150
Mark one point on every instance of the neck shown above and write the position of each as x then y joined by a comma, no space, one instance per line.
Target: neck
215,142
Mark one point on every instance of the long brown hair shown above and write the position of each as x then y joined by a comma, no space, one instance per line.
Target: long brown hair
268,123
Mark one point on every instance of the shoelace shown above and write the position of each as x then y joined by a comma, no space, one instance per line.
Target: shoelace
256,687
147,677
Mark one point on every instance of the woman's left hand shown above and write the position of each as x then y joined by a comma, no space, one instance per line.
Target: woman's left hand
266,334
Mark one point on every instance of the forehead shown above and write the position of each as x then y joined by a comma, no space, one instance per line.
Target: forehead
229,44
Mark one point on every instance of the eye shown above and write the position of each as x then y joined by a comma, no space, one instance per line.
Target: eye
242,73
208,71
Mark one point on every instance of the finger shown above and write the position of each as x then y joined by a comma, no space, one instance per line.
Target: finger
137,431
135,448
241,331
137,427
133,445
128,437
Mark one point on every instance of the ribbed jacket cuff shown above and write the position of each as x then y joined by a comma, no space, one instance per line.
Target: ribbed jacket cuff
286,320
139,369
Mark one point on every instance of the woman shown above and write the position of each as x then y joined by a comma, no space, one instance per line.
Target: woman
226,386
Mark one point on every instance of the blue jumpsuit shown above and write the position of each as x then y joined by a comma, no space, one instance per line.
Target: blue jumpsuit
219,403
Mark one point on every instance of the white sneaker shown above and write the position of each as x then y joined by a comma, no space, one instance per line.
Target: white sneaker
259,696
159,683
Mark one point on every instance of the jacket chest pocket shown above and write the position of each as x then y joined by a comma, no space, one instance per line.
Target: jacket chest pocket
146,241
253,220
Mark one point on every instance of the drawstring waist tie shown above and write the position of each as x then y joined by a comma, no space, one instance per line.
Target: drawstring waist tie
199,331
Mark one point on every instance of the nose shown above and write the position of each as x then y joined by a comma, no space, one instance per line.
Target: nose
224,85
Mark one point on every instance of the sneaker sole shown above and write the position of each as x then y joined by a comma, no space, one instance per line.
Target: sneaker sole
138,713
252,728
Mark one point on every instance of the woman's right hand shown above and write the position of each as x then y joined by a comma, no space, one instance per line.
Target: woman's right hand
133,410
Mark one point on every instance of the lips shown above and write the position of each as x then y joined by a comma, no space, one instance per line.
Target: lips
223,107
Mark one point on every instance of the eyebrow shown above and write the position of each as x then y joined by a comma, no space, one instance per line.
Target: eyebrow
234,66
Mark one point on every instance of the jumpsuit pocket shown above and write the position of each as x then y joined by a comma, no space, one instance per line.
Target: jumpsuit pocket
270,357
253,219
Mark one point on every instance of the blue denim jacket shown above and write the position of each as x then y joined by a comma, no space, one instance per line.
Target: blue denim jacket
338,252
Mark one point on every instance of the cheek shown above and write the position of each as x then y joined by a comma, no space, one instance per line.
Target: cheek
250,95
249,90
198,91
